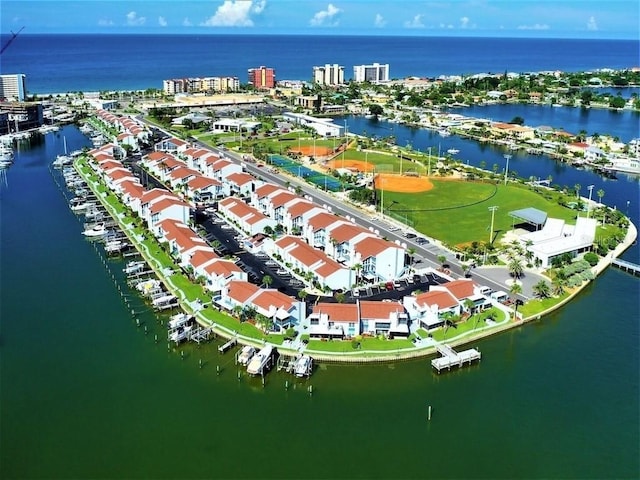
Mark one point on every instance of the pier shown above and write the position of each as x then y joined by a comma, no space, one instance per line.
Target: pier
451,358
224,348
261,362
626,266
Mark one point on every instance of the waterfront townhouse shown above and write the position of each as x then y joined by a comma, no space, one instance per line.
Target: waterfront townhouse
260,197
334,320
242,184
282,310
274,205
132,192
388,318
115,176
431,308
467,292
311,264
247,218
183,241
220,272
158,204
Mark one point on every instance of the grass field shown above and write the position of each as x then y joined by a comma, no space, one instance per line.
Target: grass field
458,211
390,162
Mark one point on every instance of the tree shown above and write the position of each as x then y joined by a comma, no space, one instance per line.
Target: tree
558,284
411,252
515,290
515,268
376,109
340,297
442,259
267,280
600,194
541,289
517,120
577,188
303,294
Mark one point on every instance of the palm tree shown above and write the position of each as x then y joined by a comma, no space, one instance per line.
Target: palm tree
303,294
411,252
600,194
577,188
515,290
558,284
442,259
267,280
515,268
541,289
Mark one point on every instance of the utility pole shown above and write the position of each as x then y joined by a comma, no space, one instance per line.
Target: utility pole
590,188
493,214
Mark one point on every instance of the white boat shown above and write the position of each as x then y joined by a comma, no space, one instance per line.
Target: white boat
303,366
443,132
178,320
80,206
260,361
163,300
148,286
61,161
246,354
180,333
453,151
134,267
96,230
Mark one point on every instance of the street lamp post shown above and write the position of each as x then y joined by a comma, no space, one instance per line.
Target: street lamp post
590,188
506,170
493,214
345,141
429,167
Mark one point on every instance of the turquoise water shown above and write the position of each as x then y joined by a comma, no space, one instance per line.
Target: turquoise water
85,393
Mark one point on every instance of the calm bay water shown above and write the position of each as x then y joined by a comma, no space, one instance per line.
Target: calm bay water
86,394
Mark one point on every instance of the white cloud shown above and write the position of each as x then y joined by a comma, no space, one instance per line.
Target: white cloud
326,18
464,22
535,26
105,22
447,26
134,20
162,21
235,13
186,22
592,24
415,22
379,21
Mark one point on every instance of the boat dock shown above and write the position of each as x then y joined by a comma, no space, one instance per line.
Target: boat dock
451,358
227,346
626,266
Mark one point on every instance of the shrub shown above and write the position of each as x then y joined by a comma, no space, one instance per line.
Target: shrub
591,258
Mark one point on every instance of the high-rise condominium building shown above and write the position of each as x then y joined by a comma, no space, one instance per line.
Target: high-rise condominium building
374,73
262,78
329,74
13,87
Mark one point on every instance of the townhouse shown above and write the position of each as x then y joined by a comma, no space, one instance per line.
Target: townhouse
250,220
284,311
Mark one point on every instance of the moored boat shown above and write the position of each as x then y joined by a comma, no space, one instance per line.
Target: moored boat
97,230
246,354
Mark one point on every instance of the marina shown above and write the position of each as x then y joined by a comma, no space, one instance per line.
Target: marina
626,266
262,361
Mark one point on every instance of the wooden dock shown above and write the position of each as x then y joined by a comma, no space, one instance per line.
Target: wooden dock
626,266
225,348
451,358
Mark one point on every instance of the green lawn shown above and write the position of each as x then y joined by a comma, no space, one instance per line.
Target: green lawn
369,344
457,212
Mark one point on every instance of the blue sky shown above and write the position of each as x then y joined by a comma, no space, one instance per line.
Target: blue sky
499,18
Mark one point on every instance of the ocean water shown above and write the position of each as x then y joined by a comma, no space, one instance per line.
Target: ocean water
86,393
62,63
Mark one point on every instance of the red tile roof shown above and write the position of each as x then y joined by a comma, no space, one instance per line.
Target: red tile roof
323,220
268,298
222,268
240,178
441,299
379,310
346,232
202,182
372,246
461,289
338,312
241,291
266,189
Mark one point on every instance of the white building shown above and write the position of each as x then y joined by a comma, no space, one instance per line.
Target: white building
13,87
329,74
374,73
323,126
